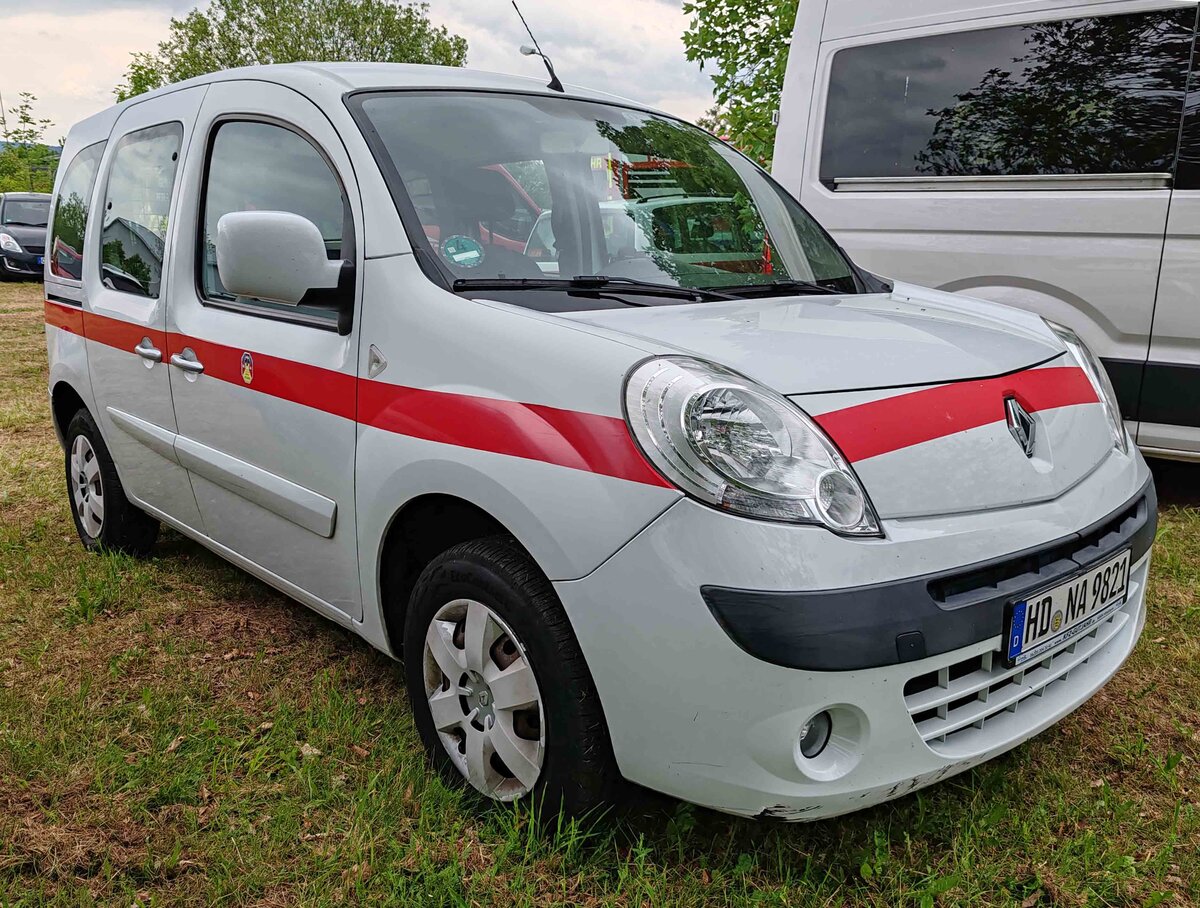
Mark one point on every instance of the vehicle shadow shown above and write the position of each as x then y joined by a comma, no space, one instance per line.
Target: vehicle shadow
1178,483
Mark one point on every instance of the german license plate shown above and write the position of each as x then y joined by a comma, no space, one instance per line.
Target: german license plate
41,260
1054,616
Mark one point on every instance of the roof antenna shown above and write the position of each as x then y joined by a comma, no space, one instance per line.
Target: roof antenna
536,51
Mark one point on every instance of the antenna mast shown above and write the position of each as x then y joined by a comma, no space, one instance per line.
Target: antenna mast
536,51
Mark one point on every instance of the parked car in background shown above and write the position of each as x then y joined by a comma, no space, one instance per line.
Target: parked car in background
712,509
1036,153
23,217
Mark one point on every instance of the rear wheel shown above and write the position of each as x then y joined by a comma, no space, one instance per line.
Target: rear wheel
502,696
103,515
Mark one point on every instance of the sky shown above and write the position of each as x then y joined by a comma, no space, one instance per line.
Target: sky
629,47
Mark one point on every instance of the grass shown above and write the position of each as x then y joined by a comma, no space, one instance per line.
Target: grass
174,733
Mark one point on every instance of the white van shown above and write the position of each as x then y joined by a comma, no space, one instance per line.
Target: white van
702,505
1031,152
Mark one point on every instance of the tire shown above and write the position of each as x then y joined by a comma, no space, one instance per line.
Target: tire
104,517
526,628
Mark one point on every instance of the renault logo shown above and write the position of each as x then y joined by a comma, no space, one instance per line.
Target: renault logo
1020,424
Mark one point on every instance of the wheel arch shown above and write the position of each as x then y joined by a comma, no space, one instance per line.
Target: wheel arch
419,531
65,402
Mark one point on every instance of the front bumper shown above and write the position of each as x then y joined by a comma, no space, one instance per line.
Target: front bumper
694,715
21,264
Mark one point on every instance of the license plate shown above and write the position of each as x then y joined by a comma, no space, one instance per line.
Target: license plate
1052,617
41,260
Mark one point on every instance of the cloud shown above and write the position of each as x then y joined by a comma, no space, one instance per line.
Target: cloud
629,47
72,61
72,53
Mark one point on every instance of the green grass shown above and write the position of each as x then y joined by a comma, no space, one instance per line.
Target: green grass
174,733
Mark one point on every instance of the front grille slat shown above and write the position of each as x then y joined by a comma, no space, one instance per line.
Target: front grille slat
954,702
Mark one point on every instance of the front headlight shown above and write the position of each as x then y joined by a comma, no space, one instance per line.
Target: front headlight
8,244
732,443
1098,376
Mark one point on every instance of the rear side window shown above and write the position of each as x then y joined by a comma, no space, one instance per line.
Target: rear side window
71,213
1081,96
256,166
137,202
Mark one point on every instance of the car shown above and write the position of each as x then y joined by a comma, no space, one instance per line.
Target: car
22,233
941,142
775,536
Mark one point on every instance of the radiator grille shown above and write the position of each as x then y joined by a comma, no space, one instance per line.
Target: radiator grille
957,702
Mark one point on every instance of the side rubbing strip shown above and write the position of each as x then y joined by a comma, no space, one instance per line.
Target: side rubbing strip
294,503
159,440
882,426
581,441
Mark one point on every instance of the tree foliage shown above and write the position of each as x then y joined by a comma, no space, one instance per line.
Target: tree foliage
26,164
229,33
746,43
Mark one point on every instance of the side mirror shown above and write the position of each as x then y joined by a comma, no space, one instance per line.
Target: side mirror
273,255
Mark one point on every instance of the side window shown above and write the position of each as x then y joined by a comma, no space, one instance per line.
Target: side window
1081,96
137,201
263,167
71,213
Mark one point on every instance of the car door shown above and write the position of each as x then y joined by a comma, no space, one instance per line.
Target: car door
264,392
1170,404
124,299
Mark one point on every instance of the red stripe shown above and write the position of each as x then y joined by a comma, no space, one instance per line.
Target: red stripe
69,318
113,332
882,426
581,441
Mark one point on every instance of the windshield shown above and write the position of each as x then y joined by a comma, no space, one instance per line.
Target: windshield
535,188
32,213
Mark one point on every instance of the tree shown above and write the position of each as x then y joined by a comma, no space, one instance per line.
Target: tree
229,33
746,42
26,164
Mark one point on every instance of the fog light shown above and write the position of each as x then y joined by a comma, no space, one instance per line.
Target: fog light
814,735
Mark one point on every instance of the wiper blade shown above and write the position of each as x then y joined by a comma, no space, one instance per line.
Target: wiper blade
782,286
21,224
591,283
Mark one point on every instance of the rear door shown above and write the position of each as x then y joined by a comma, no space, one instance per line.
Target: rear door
1030,164
264,392
1170,405
124,277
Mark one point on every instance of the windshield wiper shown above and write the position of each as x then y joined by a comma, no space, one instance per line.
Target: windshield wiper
21,224
591,283
787,286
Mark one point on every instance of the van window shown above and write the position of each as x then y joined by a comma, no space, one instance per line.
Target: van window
255,166
71,213
137,202
1081,96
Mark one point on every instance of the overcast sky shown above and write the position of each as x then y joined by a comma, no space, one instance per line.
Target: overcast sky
71,53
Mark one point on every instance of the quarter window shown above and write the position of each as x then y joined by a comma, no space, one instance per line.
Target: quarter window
1080,96
71,213
263,167
137,204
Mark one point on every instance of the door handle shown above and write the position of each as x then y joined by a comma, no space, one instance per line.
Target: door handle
147,351
187,362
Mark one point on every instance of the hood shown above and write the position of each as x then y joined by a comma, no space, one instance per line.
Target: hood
819,344
912,386
26,236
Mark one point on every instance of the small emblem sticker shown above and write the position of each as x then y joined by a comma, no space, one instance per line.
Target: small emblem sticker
247,368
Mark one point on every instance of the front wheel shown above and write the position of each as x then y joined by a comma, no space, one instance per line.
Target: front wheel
103,515
502,696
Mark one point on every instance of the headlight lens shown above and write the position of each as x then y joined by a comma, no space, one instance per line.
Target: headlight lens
8,244
732,443
1098,376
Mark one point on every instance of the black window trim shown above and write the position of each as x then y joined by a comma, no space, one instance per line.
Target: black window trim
101,144
1006,182
339,324
174,190
439,274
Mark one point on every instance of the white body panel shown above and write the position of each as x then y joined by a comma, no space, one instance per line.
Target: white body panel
295,449
1084,251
